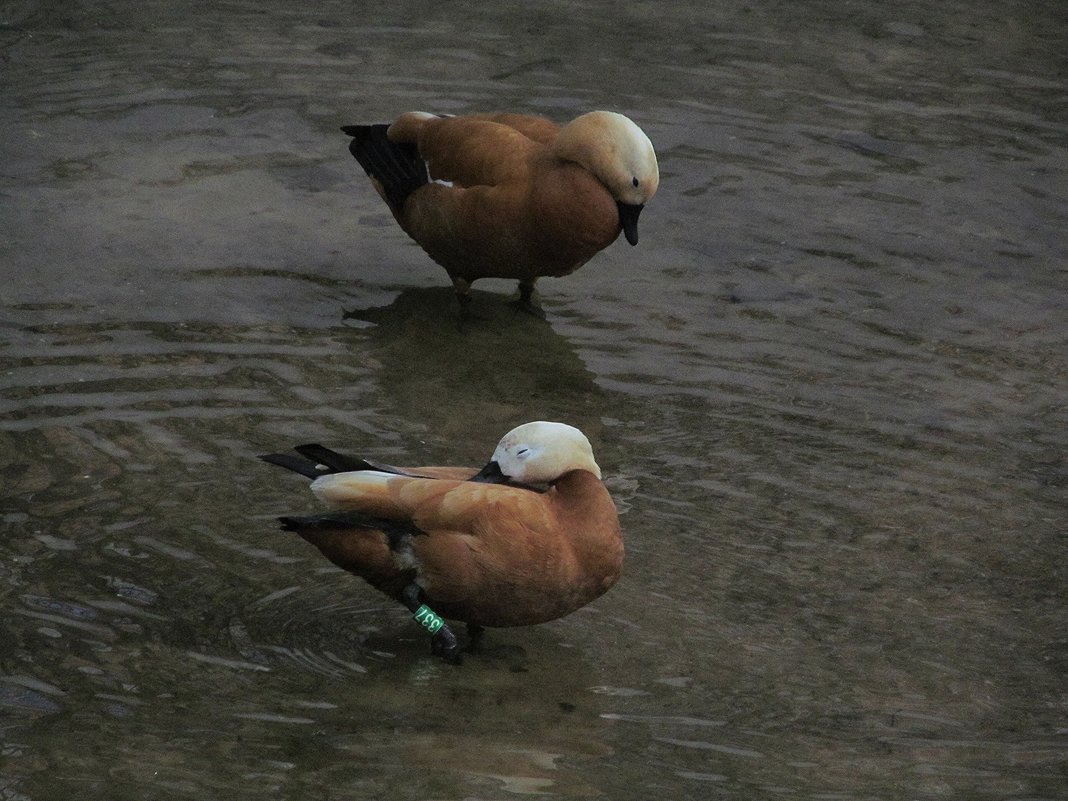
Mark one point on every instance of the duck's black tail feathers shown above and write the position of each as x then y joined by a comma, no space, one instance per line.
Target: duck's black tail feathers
336,462
295,463
316,460
398,167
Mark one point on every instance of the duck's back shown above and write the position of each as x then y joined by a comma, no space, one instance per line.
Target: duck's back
470,151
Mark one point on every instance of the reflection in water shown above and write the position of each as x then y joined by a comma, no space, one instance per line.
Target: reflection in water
828,392
499,369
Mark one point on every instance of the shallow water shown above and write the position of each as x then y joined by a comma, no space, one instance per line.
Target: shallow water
827,389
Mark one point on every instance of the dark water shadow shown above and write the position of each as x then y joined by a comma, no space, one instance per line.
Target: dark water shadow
499,368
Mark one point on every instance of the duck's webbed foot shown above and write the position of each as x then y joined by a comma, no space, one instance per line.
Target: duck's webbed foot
525,301
443,643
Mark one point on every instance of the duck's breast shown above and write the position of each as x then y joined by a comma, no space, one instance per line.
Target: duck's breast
573,214
530,559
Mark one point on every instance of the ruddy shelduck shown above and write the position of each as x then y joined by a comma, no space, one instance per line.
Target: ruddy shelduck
509,195
531,537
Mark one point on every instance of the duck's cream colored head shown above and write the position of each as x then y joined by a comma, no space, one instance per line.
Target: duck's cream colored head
539,452
619,153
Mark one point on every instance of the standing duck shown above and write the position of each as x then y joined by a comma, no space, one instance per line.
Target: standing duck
509,195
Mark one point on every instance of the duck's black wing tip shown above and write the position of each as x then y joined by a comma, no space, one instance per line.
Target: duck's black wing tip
396,166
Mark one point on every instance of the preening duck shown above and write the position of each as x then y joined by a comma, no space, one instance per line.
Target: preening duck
531,537
510,195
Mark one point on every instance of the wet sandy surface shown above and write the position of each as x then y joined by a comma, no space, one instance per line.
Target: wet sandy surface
827,390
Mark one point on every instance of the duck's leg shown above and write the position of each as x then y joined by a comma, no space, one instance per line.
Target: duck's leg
462,288
525,300
443,642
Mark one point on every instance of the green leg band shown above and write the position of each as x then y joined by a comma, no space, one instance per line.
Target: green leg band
428,619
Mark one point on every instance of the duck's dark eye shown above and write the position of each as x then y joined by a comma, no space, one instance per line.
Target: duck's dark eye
522,452
634,181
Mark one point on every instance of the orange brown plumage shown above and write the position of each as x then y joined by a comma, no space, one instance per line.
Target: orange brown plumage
510,195
486,547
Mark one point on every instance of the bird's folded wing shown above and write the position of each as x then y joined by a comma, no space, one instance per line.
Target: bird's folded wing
451,473
433,504
475,152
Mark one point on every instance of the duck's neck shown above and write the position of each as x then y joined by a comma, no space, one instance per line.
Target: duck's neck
586,511
577,482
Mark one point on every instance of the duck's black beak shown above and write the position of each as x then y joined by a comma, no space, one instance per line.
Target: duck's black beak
628,220
490,474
